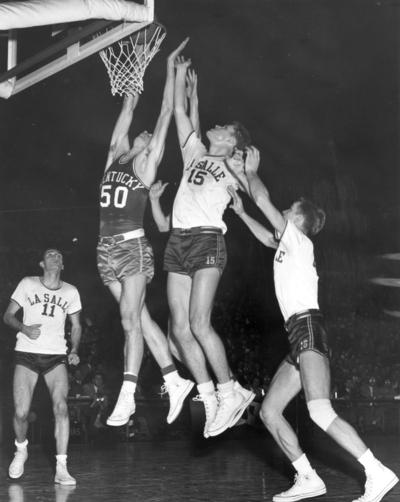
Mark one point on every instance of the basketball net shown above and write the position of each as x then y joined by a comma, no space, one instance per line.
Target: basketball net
126,61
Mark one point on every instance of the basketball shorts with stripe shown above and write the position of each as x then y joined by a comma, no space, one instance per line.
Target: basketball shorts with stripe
186,253
117,261
306,332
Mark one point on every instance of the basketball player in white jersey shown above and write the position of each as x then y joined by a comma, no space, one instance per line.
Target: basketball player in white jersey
195,257
124,255
41,348
307,365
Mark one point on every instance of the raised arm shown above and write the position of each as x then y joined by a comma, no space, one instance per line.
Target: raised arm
259,231
236,167
76,333
183,123
162,220
259,192
157,143
192,96
32,331
119,140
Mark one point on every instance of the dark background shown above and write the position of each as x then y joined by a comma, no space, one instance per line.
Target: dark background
315,82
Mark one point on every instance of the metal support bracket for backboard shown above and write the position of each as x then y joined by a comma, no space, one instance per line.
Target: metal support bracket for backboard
74,51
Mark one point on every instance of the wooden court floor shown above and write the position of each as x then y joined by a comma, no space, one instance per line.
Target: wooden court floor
245,467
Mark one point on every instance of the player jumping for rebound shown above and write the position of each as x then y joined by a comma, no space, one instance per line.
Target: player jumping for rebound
125,257
195,256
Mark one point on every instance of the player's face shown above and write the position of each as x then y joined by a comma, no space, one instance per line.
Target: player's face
142,141
52,260
294,214
222,134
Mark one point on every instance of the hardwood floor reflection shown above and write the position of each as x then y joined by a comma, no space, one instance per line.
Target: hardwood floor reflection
248,468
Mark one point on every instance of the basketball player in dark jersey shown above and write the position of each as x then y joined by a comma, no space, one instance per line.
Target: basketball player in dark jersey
125,257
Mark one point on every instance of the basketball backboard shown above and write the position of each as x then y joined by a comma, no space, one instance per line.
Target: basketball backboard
75,34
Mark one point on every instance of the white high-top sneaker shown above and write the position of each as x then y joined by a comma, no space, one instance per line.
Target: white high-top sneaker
378,483
63,477
248,397
305,486
230,408
16,468
210,406
124,408
177,391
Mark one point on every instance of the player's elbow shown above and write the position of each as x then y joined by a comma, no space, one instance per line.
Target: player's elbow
6,318
167,109
179,109
259,199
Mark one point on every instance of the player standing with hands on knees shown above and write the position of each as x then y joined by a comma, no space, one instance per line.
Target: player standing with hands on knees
124,255
307,364
47,302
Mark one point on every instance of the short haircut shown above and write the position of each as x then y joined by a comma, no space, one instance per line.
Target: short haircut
242,135
314,216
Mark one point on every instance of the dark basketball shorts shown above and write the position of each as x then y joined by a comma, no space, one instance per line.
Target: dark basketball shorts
40,363
193,249
306,331
127,258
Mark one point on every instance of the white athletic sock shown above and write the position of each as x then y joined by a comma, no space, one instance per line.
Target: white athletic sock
225,388
128,386
61,459
206,387
369,462
21,446
302,465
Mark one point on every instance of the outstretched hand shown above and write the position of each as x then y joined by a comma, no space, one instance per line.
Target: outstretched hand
191,84
157,189
236,162
181,62
252,160
174,54
237,203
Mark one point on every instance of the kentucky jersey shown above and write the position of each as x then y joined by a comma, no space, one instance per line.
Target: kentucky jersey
202,196
295,276
48,307
123,199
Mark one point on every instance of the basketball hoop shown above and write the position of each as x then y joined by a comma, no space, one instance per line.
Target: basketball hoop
126,61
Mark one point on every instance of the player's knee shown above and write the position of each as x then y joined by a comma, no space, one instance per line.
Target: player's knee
200,326
21,413
60,408
130,323
268,415
321,412
180,329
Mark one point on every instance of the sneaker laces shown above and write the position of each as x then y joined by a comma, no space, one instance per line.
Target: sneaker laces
206,402
167,387
221,402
